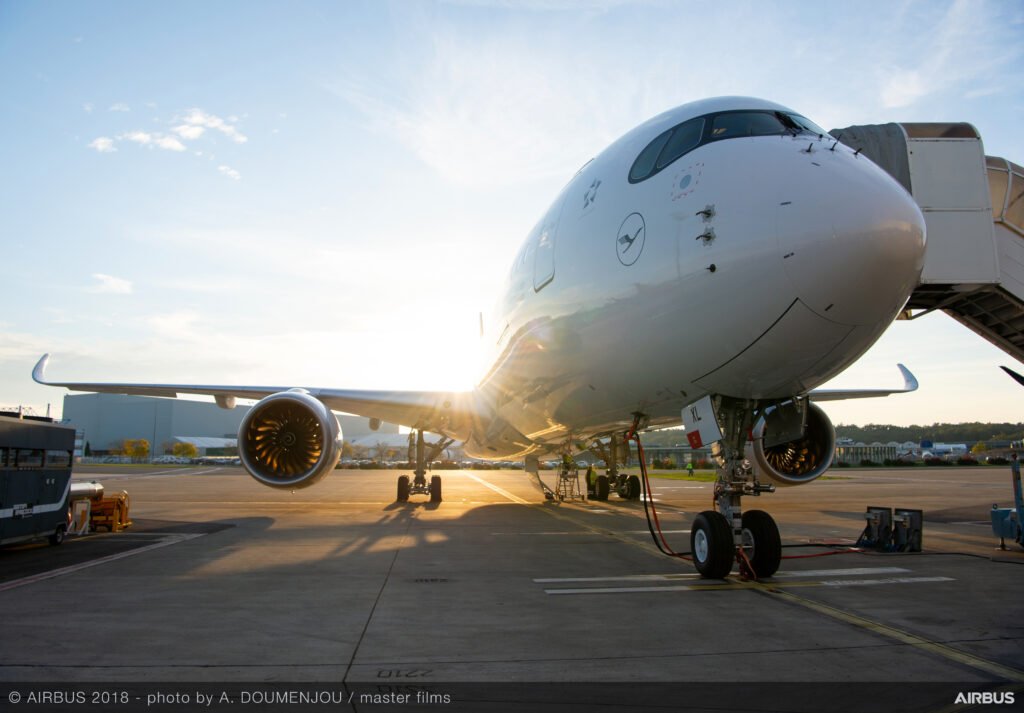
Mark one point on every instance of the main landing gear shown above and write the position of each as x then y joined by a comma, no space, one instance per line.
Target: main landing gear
612,453
719,538
419,455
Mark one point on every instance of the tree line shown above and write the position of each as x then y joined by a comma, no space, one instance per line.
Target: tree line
968,433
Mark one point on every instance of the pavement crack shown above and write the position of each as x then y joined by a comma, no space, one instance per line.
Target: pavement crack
376,601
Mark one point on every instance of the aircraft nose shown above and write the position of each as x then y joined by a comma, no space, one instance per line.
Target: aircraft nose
853,242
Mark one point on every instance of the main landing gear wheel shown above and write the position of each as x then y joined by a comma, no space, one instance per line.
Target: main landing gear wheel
630,488
601,488
711,544
761,535
403,488
435,489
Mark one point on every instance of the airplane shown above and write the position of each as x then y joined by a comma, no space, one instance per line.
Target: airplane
713,266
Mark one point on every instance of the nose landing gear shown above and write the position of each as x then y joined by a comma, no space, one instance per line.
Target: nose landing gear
727,535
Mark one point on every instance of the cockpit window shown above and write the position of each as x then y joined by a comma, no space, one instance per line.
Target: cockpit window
735,124
668,146
806,124
685,138
644,164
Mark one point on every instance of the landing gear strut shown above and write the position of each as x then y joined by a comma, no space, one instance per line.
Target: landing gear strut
419,455
719,538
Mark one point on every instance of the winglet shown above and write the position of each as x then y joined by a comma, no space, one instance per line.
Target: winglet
909,380
1017,377
39,373
909,384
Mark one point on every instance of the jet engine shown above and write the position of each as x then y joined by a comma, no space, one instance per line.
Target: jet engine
793,447
289,440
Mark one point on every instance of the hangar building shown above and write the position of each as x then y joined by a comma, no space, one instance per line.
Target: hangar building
108,419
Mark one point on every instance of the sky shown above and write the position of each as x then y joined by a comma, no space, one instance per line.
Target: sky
328,193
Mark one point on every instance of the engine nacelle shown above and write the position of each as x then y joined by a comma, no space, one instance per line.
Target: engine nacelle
289,440
799,459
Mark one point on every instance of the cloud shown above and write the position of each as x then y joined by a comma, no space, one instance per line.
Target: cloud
120,106
443,106
193,126
955,50
169,143
144,138
139,137
87,108
199,118
109,285
189,131
904,88
103,144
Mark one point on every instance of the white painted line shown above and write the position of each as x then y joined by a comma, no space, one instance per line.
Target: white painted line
858,571
706,587
624,578
499,491
627,590
890,580
552,534
168,539
854,572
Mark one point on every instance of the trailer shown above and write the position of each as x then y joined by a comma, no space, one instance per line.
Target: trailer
1008,523
35,480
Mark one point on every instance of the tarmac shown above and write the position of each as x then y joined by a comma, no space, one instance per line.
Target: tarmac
223,581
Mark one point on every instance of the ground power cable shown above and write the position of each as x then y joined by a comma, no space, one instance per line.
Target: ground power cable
654,524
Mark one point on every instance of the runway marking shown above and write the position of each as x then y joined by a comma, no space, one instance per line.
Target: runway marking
857,571
88,477
563,533
622,578
499,491
890,632
167,540
739,585
888,580
851,572
776,591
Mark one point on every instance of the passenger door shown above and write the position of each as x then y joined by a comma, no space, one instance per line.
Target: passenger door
544,256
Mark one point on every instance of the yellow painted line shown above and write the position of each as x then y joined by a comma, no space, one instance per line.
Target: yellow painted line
553,511
776,591
891,632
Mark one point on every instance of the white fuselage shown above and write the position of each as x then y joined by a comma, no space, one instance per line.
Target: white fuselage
754,267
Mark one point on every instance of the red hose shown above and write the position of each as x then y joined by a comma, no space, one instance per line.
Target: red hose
656,534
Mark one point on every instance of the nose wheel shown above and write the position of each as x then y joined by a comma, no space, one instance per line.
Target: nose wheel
711,542
711,545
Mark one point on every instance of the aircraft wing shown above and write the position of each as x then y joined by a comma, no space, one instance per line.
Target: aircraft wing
438,411
1016,377
909,384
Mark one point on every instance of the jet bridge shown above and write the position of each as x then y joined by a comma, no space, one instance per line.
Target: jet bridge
973,206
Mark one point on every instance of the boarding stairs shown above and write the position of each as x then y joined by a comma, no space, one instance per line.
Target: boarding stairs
973,207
